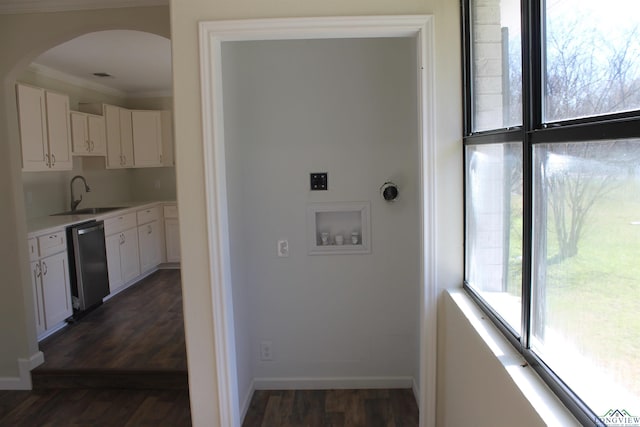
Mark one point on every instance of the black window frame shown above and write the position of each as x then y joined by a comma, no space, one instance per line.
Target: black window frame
533,131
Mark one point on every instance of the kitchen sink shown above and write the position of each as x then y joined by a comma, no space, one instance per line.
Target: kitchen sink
89,211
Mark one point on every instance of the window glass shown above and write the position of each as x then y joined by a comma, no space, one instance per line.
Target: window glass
494,226
497,64
586,274
592,58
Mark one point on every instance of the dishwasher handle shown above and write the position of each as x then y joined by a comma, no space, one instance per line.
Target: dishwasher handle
99,226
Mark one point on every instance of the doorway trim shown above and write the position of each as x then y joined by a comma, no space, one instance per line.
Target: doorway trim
212,35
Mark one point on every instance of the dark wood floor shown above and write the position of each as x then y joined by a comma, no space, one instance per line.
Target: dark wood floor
141,328
124,364
94,407
333,408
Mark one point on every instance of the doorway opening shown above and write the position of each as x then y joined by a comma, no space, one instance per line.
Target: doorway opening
224,159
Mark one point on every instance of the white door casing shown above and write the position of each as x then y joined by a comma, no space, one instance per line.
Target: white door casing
212,35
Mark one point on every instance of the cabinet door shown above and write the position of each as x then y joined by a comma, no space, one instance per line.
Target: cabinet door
130,255
96,135
36,282
33,128
167,138
56,290
112,132
79,133
113,243
147,138
58,131
150,249
172,237
126,138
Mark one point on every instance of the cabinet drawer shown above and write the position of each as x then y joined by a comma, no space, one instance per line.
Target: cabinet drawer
33,249
52,243
119,223
171,211
148,215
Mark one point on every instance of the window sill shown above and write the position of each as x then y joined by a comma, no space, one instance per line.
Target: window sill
537,394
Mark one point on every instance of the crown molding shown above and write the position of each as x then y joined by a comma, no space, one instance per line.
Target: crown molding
51,73
44,71
37,6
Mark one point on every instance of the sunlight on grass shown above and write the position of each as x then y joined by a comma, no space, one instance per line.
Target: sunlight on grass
593,298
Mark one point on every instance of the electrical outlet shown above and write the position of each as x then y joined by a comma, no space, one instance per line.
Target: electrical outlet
157,184
283,248
265,351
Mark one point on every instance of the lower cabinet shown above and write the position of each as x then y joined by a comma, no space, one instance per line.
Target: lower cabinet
122,258
150,246
172,233
52,291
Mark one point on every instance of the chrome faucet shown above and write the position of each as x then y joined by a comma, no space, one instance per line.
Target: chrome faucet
74,202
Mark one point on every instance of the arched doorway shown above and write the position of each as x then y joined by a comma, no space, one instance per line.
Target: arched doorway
30,35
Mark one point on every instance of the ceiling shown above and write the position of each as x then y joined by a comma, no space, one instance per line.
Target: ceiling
28,6
139,64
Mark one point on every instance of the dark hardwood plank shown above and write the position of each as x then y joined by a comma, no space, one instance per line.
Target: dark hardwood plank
94,407
140,329
334,408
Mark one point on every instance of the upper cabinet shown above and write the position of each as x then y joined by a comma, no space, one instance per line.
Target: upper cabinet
147,138
119,137
167,138
88,134
136,138
43,118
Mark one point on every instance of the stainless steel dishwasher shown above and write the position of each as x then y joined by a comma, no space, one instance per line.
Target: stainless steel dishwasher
87,265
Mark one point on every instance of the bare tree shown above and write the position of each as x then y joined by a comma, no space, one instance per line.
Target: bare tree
586,75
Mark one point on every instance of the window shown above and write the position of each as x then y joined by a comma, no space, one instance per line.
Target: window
497,73
591,58
552,191
494,226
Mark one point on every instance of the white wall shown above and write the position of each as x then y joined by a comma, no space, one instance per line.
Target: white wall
348,107
484,381
185,16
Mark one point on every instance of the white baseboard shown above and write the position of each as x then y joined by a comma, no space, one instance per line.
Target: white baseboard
416,390
301,383
244,407
23,380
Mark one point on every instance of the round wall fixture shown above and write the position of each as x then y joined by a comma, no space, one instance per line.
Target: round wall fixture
389,191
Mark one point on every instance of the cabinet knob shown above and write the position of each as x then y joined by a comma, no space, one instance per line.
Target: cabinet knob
44,268
53,160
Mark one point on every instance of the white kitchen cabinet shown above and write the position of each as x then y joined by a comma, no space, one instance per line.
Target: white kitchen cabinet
114,261
50,281
36,282
119,135
167,138
122,258
150,246
147,138
88,134
149,238
56,289
126,138
129,255
172,233
43,119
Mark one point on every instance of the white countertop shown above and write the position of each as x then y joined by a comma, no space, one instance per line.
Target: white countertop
44,224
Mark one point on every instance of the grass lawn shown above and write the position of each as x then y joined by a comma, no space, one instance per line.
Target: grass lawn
594,297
